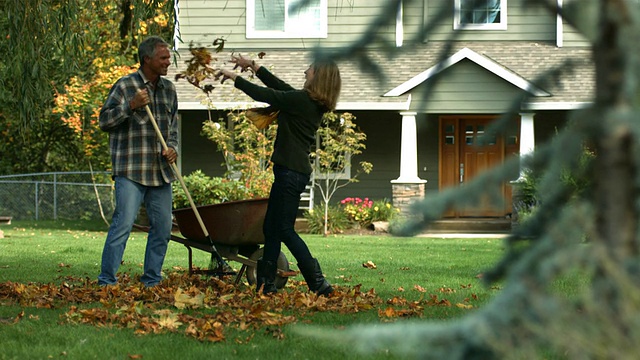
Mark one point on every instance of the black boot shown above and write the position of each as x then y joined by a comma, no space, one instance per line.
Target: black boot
266,276
312,274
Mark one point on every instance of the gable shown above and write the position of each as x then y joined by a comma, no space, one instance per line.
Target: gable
463,88
480,60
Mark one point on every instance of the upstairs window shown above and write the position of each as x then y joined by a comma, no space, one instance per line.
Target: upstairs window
480,15
286,19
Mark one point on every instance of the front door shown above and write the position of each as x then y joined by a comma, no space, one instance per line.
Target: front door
466,151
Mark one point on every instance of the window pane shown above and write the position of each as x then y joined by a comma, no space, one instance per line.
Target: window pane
449,140
479,11
304,18
269,15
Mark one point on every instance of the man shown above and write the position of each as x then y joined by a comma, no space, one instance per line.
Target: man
141,168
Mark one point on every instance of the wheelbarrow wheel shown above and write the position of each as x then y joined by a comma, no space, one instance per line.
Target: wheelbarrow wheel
282,264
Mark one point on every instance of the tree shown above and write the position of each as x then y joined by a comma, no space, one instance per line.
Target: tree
529,318
338,141
246,150
62,50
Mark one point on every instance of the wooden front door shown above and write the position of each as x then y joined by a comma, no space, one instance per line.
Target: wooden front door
467,150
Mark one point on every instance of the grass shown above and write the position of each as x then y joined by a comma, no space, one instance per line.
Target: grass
439,276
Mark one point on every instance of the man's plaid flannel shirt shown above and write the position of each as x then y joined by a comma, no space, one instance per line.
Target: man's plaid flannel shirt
136,152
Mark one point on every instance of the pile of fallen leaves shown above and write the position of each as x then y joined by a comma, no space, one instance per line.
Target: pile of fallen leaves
200,307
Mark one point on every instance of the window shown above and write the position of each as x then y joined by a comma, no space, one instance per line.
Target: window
480,15
286,18
331,157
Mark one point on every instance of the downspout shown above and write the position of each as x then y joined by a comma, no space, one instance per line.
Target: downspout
399,25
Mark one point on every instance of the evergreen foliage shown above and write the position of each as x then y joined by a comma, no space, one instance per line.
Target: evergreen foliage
530,318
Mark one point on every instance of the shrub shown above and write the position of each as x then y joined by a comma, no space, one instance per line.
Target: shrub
527,197
382,210
357,210
205,190
337,221
365,212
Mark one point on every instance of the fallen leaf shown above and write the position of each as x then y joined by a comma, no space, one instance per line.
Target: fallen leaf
183,300
464,306
369,265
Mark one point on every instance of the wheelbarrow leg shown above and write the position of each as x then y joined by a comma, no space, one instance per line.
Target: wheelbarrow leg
240,273
190,259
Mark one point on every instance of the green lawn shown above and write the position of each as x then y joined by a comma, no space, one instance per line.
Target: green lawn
50,306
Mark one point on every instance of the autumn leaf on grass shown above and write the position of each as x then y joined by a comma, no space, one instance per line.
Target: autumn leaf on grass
390,312
167,320
14,320
446,290
435,302
183,300
464,306
275,332
369,265
419,288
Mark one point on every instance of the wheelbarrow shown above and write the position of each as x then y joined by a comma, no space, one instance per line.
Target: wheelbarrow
235,233
232,230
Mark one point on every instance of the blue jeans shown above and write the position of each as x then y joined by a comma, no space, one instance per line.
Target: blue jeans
282,210
158,203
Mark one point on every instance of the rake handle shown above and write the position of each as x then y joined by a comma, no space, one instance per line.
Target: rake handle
174,166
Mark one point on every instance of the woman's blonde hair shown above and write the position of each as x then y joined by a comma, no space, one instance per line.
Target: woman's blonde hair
326,83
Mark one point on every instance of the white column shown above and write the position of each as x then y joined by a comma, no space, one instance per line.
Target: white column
527,138
409,150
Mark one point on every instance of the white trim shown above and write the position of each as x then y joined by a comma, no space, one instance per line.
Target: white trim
559,25
556,105
502,25
481,60
399,25
342,106
193,105
176,25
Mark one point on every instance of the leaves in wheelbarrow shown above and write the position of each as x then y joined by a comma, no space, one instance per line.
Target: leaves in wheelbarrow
200,307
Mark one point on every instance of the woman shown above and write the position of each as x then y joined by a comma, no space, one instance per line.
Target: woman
298,121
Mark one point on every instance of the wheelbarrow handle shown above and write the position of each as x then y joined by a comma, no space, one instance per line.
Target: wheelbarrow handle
174,166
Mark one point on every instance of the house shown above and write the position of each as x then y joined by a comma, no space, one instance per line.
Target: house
500,51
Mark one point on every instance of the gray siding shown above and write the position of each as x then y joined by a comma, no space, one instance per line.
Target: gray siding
383,129
586,13
572,37
198,152
203,21
524,23
465,88
428,150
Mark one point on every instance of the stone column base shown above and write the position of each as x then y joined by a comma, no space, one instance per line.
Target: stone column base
406,193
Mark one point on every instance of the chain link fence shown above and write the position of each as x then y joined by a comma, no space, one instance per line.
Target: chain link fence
56,196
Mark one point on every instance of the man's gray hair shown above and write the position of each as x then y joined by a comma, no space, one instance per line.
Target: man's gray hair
148,47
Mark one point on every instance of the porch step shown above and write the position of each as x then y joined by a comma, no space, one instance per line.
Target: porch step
470,225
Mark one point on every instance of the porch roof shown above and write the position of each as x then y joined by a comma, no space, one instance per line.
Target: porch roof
524,64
